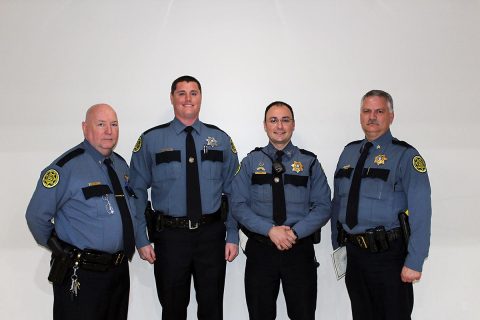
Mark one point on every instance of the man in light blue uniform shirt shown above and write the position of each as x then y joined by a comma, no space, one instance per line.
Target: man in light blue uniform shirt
76,199
384,258
281,198
185,245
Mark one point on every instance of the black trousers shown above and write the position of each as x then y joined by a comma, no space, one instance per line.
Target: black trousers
102,295
374,285
296,269
183,253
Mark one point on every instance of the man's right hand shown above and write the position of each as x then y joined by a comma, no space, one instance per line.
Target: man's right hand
147,253
280,236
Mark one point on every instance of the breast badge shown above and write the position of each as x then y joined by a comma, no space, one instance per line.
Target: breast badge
297,166
50,178
380,159
419,164
212,142
138,145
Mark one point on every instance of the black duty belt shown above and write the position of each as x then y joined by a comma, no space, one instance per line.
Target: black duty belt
266,240
185,223
375,240
97,260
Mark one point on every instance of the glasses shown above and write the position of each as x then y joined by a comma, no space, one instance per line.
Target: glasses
284,120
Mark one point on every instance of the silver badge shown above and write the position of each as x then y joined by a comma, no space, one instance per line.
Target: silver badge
212,142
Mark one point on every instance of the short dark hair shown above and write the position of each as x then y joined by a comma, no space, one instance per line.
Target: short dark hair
379,93
184,79
278,103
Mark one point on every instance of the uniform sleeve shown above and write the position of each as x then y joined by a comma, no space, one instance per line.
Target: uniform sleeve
230,166
241,201
414,179
320,203
49,195
140,181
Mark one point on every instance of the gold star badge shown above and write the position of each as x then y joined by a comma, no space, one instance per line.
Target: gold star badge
297,166
380,159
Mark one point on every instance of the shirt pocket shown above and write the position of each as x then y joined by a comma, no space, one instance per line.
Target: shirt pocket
212,163
295,187
167,165
342,180
261,187
99,197
373,182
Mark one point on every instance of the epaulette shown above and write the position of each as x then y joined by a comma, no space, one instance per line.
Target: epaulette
69,156
165,125
211,126
308,153
119,156
354,142
256,149
401,143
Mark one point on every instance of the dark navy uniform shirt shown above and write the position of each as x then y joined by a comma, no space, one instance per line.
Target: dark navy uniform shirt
307,194
159,162
394,179
76,194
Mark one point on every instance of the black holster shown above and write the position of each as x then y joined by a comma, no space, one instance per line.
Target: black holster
62,259
224,208
153,222
317,236
405,227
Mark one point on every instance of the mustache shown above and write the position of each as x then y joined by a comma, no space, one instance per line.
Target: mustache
372,121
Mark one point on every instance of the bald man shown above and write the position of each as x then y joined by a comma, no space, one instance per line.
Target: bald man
82,210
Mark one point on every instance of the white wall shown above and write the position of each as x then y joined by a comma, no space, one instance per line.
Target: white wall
58,57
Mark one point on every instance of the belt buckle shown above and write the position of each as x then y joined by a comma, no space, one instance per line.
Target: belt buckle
119,259
361,242
192,226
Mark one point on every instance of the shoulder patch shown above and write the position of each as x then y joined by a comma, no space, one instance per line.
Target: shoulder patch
50,178
354,142
401,143
419,164
211,126
307,153
232,146
69,156
138,145
165,125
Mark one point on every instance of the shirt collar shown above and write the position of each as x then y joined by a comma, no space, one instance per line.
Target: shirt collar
179,127
97,156
381,141
288,150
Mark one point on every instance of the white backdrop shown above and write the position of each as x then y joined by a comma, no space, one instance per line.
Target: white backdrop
58,57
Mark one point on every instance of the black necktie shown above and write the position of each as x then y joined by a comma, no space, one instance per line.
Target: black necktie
194,201
353,194
279,210
128,237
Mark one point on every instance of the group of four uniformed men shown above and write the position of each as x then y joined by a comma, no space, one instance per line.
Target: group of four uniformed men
88,208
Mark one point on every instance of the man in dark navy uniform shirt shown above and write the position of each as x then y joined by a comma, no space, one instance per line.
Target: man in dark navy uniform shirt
379,182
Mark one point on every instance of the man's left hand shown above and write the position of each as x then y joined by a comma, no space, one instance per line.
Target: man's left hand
409,275
231,251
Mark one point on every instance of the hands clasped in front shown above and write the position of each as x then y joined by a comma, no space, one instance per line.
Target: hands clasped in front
282,236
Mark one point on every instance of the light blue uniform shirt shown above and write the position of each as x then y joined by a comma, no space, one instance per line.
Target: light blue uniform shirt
307,194
75,191
395,179
159,162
